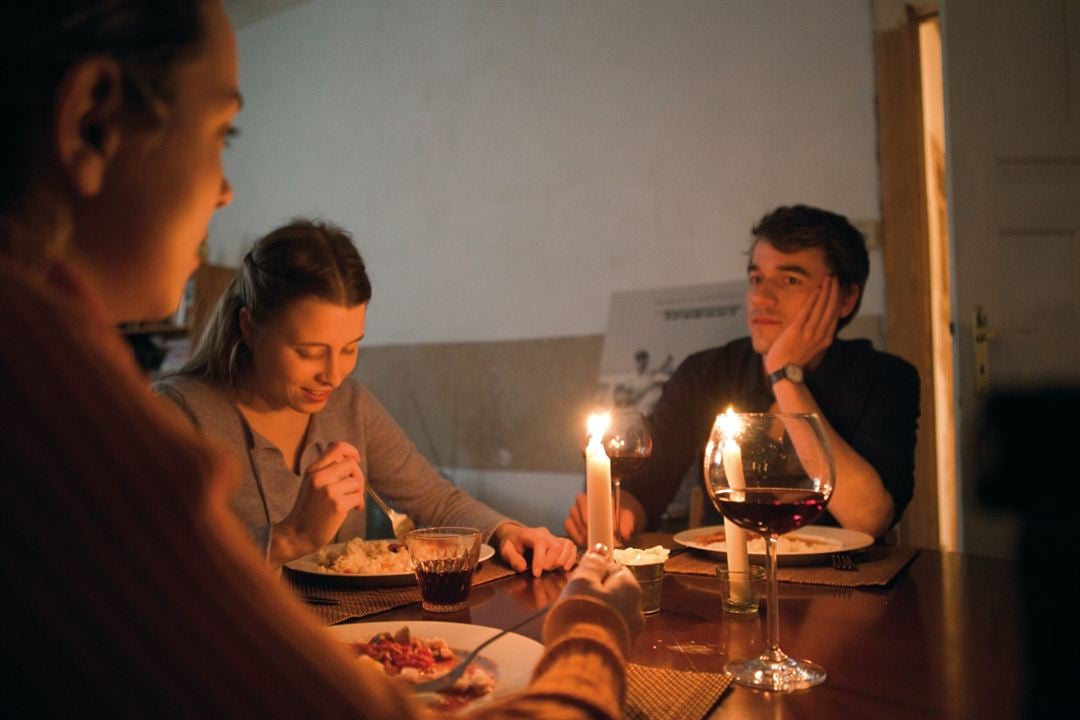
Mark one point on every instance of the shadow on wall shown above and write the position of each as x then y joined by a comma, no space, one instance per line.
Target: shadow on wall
503,420
490,406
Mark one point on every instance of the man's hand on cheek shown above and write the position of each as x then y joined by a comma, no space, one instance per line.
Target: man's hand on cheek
811,331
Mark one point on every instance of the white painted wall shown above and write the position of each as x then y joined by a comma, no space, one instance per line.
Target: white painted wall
505,166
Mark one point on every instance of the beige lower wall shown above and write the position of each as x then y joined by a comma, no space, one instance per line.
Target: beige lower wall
512,405
504,419
503,406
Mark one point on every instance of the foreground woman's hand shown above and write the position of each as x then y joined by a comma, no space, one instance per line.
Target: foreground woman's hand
548,552
331,487
610,583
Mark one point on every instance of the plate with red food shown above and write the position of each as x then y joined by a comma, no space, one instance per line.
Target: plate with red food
417,651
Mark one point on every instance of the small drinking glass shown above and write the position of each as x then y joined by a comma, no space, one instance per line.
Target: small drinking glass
444,559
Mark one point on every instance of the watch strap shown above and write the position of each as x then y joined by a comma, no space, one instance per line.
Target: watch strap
791,372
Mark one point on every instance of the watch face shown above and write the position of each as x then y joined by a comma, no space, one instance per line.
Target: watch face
793,373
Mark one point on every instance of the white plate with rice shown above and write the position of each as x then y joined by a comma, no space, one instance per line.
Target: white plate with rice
365,562
805,546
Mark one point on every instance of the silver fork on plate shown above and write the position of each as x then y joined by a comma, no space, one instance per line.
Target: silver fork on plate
401,522
444,681
843,561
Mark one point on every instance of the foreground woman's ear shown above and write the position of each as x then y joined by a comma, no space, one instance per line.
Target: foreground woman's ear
88,122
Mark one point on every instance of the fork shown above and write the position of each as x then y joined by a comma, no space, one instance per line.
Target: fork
843,561
401,522
444,681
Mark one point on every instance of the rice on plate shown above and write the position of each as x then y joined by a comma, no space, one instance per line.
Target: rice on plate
367,557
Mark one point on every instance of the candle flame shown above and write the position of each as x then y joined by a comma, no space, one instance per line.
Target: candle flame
730,424
597,425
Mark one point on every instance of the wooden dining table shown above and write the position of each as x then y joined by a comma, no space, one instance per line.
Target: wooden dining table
942,640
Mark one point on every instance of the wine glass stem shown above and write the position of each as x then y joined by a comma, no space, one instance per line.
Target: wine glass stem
772,609
615,480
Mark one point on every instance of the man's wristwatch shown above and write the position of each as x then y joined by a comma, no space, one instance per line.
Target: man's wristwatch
791,372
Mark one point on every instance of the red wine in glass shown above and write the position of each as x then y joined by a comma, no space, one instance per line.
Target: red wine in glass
771,510
444,583
623,465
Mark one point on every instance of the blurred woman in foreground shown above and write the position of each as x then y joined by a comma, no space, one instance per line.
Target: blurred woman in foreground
129,588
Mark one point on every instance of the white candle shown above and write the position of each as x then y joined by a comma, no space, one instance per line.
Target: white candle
598,484
735,536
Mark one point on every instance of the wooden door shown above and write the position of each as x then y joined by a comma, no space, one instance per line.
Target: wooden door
1012,87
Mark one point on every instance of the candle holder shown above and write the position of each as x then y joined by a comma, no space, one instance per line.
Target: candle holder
741,590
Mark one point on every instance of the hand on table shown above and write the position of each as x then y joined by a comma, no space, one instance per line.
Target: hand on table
548,551
331,487
811,331
577,521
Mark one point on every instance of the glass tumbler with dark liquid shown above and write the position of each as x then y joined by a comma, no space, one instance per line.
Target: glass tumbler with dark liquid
444,559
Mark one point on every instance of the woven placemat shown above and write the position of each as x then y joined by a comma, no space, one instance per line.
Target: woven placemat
664,694
358,602
876,566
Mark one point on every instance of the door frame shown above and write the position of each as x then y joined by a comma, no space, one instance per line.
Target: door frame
905,243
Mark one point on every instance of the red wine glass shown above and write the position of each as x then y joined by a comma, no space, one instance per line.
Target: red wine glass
628,443
770,473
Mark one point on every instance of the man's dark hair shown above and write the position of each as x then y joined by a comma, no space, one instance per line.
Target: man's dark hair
798,227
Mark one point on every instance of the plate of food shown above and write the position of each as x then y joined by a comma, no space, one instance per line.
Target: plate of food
804,546
413,652
365,562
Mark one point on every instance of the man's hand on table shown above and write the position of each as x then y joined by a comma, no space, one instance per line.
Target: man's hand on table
548,551
577,522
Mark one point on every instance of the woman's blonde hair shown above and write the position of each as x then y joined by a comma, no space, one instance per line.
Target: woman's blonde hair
304,259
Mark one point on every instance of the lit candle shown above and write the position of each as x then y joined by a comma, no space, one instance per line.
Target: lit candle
598,484
735,536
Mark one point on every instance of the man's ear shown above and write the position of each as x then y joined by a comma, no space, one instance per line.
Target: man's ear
89,109
849,296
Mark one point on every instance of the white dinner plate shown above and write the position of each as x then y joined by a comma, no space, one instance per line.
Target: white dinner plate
822,542
511,657
309,565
